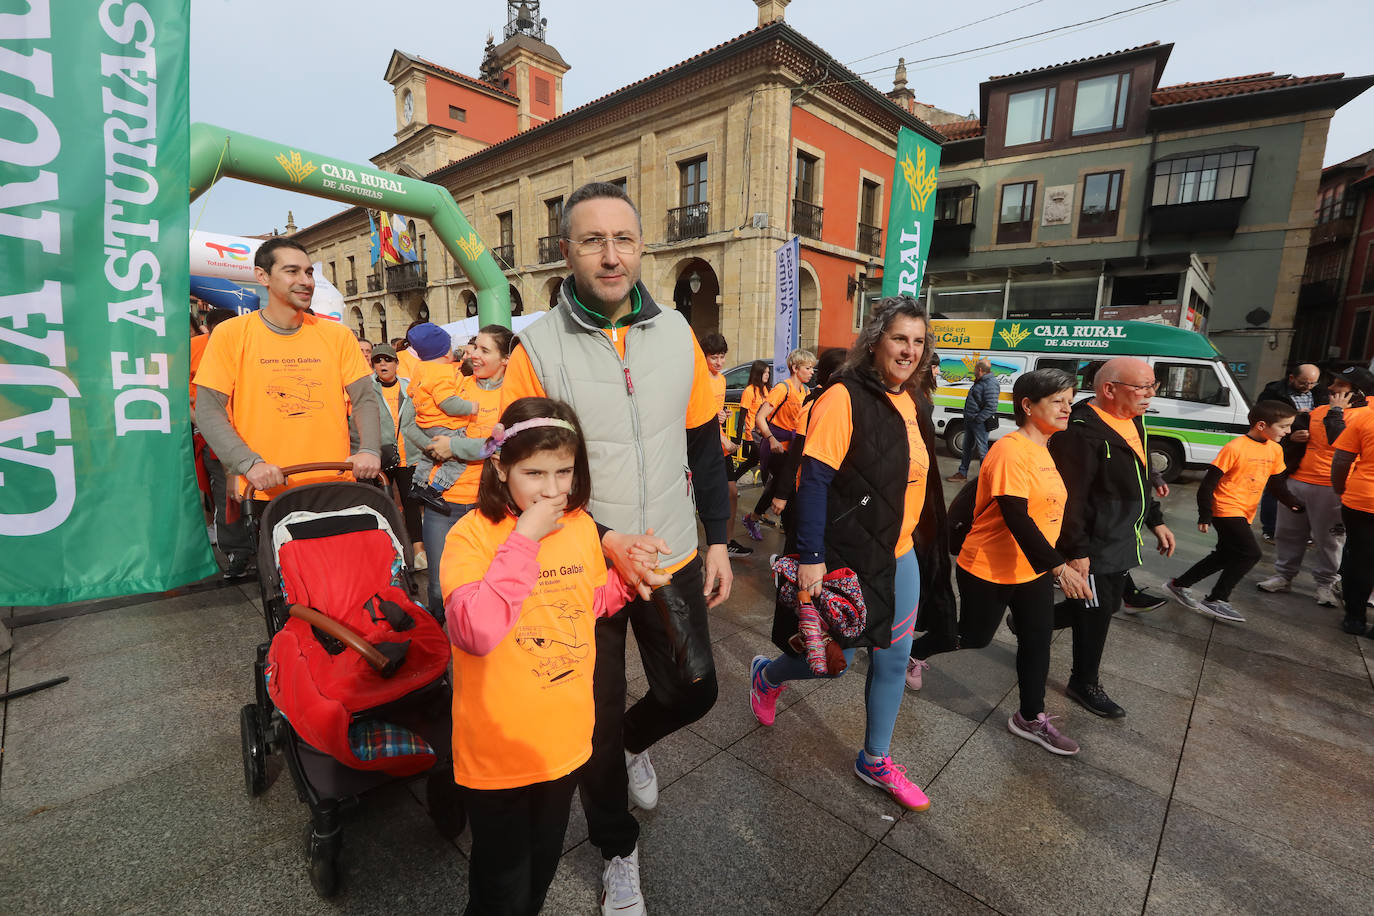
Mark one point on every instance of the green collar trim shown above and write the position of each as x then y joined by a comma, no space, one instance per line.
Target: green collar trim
636,304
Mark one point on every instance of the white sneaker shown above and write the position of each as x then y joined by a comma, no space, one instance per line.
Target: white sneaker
1340,593
620,894
1185,595
1276,583
1325,596
643,781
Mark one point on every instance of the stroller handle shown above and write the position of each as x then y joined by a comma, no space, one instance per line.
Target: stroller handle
345,634
304,468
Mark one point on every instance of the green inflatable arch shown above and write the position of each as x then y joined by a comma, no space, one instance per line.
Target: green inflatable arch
218,153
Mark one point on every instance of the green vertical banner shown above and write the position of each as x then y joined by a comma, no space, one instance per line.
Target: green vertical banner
911,214
98,494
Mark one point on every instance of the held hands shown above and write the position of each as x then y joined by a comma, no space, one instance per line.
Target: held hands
1073,582
439,448
635,557
542,518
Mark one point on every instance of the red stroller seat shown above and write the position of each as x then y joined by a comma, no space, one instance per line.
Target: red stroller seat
320,685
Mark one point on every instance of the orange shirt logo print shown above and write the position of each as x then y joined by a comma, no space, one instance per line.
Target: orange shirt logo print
293,395
553,637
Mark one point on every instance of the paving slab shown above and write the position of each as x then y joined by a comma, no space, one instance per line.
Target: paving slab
812,746
1210,865
1311,794
1308,635
885,882
135,840
971,682
726,838
1277,693
1013,826
1164,659
392,861
1143,747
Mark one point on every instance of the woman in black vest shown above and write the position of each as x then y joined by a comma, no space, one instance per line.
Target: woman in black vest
865,485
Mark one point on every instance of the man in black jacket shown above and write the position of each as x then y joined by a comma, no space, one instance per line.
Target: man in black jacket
1300,391
1104,460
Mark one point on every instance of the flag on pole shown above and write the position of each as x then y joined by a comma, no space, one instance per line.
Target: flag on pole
376,239
387,246
911,216
405,245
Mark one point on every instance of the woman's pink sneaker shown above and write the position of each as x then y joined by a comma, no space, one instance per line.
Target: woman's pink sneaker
891,776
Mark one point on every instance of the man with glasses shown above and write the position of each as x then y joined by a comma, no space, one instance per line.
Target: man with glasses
1104,461
641,387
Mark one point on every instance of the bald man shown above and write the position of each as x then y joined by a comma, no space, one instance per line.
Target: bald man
1104,460
1300,391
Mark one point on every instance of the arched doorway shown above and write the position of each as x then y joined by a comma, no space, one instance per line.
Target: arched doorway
696,294
517,304
355,314
379,317
551,290
469,303
809,308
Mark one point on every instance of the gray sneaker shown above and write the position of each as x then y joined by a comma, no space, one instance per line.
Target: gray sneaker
1183,594
1221,610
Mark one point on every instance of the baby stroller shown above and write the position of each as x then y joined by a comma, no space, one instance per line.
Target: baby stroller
352,688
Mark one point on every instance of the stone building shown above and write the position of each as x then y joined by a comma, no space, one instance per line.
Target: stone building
1336,301
728,154
1088,190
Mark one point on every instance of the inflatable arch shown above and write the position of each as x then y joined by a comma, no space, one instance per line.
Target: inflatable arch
218,153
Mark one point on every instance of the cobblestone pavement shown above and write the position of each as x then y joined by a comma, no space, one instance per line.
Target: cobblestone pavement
1239,781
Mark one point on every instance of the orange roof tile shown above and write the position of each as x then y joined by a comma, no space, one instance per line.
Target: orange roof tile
960,130
1235,85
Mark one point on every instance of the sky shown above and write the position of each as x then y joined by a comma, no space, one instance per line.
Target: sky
310,73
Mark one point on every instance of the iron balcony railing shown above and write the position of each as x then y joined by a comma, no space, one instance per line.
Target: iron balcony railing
806,219
548,250
689,222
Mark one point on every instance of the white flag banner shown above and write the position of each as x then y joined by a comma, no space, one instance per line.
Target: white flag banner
786,309
327,302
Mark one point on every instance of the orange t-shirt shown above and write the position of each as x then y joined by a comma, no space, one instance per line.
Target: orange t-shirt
392,396
1014,466
431,385
1359,438
521,382
827,440
406,361
750,400
1246,467
198,344
717,383
1126,430
479,425
286,392
523,713
786,399
1316,461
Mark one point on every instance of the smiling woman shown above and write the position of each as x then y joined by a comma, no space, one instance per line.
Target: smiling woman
860,507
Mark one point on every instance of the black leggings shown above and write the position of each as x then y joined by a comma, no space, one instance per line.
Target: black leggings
1357,562
517,838
1235,555
777,460
749,453
981,604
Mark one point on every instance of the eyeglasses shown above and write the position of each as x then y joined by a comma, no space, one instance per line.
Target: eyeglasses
1152,387
624,244
382,359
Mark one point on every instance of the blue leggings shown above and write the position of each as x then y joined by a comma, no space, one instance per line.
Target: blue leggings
886,681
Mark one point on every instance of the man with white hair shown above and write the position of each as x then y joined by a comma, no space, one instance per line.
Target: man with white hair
1104,460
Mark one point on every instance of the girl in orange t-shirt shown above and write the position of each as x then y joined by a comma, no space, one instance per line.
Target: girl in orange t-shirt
776,422
752,448
1008,559
524,580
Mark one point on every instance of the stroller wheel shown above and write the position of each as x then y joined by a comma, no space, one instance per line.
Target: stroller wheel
324,863
445,804
254,751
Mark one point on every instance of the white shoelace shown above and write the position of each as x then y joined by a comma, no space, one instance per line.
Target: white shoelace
622,881
641,769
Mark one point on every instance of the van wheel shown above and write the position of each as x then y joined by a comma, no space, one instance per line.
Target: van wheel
954,438
1167,458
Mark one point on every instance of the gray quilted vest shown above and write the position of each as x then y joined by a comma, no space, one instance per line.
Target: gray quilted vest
633,414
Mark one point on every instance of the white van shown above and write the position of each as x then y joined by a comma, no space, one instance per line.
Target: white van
1198,408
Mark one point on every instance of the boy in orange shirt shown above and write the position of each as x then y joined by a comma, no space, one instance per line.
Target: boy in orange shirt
714,347
1227,500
